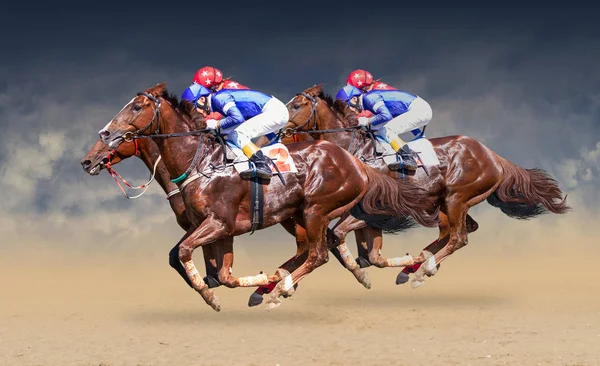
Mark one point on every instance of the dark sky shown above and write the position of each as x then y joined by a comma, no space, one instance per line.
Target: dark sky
524,80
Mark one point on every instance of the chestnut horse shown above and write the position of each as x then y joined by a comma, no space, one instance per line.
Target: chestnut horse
330,182
469,173
101,157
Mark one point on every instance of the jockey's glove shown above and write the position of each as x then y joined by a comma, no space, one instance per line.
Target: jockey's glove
212,124
363,121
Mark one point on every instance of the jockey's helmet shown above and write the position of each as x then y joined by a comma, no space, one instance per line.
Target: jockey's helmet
360,79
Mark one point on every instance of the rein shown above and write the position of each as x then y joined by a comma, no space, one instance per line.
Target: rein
116,176
291,131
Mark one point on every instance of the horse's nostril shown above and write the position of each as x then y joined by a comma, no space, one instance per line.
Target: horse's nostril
105,161
104,134
86,163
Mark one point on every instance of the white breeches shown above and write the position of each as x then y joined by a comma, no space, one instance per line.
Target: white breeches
419,114
273,118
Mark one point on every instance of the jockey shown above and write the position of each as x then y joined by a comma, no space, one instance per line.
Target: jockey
248,114
394,112
212,78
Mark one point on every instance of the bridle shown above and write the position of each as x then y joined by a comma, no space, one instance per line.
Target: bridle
133,137
130,136
291,131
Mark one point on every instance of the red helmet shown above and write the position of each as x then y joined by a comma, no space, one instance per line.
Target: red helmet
230,84
379,85
360,79
208,77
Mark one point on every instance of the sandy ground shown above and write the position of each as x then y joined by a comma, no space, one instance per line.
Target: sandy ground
58,309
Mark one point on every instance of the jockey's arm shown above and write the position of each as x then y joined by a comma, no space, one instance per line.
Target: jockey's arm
233,116
382,113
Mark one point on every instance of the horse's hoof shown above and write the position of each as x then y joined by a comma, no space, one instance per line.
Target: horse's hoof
273,304
402,278
417,283
363,262
216,304
363,277
210,298
212,282
255,299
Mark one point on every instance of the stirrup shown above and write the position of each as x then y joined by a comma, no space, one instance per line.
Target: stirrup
253,172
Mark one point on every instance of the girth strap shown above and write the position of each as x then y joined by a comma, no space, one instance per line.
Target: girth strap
257,201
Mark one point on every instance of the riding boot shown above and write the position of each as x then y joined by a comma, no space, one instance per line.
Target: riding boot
407,156
259,165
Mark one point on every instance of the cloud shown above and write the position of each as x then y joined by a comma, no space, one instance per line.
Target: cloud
532,102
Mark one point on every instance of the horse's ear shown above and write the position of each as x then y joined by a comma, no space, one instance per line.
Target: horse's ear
157,90
314,90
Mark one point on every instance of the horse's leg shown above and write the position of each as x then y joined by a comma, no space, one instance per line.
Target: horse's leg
316,229
209,230
435,247
375,241
456,210
347,224
223,250
362,247
176,264
290,265
210,263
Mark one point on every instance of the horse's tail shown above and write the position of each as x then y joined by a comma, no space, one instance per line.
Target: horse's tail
395,204
527,193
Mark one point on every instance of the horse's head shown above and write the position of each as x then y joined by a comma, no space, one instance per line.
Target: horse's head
101,155
312,109
303,111
141,116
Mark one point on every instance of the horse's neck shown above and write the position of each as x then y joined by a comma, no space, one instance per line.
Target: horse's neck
177,152
330,121
149,154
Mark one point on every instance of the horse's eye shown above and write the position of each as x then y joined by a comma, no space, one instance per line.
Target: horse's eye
137,107
296,106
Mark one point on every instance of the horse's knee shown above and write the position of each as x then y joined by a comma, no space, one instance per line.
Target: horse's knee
460,240
226,279
185,253
376,260
339,234
321,258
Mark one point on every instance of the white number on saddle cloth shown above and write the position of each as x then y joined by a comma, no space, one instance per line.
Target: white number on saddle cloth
277,152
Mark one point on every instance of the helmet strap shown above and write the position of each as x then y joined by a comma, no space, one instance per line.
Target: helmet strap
203,107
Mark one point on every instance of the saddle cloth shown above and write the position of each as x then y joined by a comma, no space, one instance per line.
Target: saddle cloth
278,152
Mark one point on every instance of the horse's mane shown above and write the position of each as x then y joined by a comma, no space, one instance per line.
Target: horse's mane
339,107
184,107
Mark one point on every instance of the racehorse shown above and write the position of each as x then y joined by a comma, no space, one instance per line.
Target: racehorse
100,156
329,183
469,173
